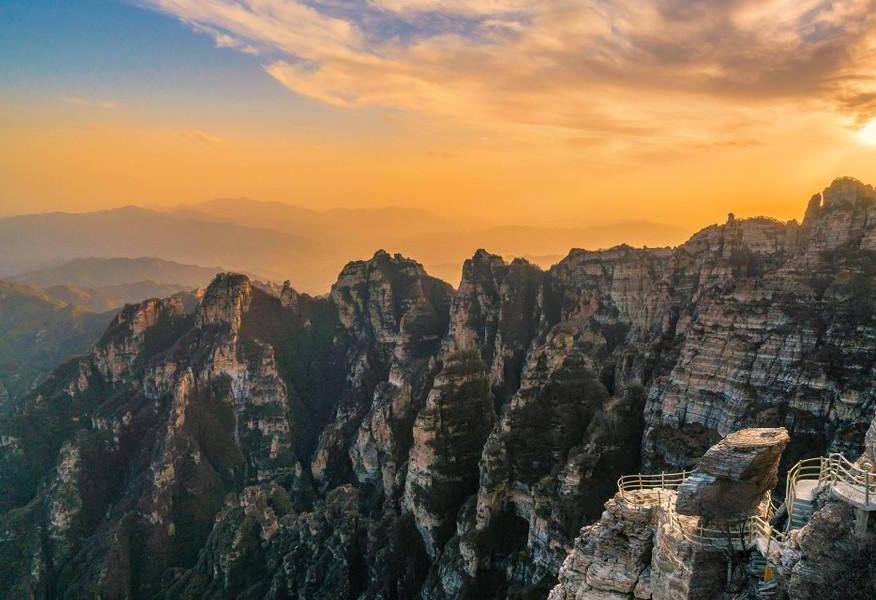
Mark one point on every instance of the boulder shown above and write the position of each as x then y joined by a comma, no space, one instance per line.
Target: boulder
734,474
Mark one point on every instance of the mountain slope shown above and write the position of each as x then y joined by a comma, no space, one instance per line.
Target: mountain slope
38,333
103,272
32,242
111,297
400,439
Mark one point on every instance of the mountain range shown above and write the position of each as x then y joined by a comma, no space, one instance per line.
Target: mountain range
402,438
37,333
276,241
52,314
108,272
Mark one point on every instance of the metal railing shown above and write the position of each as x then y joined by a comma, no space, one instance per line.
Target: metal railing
847,481
851,483
817,469
736,537
642,481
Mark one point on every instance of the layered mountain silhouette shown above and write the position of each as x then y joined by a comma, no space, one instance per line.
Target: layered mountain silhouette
38,332
103,272
275,241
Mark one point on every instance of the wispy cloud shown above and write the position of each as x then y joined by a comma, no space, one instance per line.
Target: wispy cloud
196,135
671,70
108,104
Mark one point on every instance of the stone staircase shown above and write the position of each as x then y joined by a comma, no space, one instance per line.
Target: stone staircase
765,590
800,513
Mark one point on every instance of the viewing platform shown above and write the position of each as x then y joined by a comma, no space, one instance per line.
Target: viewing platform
846,481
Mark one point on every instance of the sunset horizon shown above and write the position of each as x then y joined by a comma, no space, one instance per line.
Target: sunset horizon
437,299
610,110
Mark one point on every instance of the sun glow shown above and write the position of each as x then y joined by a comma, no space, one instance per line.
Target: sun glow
867,133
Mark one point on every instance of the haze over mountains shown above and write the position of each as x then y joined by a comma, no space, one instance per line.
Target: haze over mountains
278,241
49,315
37,333
37,241
102,272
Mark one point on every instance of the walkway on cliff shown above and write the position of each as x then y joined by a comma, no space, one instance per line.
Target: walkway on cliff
846,481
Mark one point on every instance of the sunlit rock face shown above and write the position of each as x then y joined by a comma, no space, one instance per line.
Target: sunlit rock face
393,317
782,336
398,438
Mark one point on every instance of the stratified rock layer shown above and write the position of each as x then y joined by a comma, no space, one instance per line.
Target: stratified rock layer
732,477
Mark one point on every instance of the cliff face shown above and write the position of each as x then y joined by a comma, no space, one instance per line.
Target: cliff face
647,545
780,338
398,438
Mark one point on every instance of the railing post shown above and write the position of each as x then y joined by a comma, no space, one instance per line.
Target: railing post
867,488
663,479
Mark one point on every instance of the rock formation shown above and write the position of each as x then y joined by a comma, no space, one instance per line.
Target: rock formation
647,543
733,475
398,438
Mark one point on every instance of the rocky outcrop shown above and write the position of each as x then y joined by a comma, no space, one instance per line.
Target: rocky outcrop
449,434
777,332
117,353
732,477
648,542
394,315
831,555
825,559
613,556
498,312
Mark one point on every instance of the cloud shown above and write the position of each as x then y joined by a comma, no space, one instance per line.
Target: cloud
671,71
477,7
200,136
108,104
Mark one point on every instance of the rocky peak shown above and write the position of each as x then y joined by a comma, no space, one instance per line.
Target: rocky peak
225,301
496,312
394,315
845,191
840,216
125,338
391,299
289,297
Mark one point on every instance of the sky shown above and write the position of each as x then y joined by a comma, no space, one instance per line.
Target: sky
512,111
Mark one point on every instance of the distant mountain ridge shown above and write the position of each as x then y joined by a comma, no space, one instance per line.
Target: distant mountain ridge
111,297
94,272
32,242
37,332
276,241
103,284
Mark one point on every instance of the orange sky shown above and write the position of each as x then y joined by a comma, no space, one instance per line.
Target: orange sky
507,110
